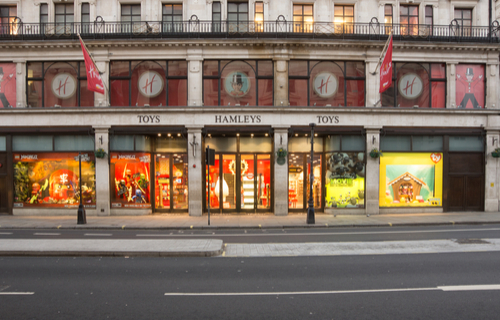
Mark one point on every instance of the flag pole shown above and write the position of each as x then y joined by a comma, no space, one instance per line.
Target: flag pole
381,55
93,61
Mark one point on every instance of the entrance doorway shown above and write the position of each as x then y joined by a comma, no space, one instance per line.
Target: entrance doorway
299,172
240,183
465,190
170,186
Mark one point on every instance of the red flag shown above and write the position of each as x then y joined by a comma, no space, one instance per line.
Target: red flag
386,69
94,81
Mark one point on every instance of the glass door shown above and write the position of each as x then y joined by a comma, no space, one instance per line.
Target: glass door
222,183
171,192
248,194
299,171
263,181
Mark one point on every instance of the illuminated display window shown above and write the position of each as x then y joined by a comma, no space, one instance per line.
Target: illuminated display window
52,180
421,85
153,83
130,172
411,180
58,84
470,88
233,83
326,83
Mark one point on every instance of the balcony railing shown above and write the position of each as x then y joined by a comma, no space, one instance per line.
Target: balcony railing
280,28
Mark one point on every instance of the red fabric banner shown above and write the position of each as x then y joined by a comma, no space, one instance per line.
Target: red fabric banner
94,81
386,69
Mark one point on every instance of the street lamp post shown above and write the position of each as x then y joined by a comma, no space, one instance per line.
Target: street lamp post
82,219
310,208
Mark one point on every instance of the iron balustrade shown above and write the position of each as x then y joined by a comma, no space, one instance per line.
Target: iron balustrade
280,28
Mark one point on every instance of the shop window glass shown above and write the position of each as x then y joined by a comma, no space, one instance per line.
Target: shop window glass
248,179
395,143
255,144
411,180
32,143
263,181
73,143
322,83
295,181
52,180
466,144
303,144
153,83
142,143
316,171
470,88
125,142
8,85
3,144
212,178
233,83
226,144
345,179
353,143
427,143
130,173
171,144
332,143
180,178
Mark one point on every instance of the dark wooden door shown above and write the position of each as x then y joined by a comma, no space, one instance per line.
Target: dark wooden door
465,185
3,184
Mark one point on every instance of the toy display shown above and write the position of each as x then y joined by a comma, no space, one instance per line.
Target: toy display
411,179
51,180
131,177
345,180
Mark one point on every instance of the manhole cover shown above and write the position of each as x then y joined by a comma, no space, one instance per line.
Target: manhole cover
471,241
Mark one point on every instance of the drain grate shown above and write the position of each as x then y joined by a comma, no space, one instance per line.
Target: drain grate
471,241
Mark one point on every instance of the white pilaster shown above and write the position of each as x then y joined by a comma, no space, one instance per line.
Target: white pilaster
195,171
372,171
195,77
491,190
102,171
451,85
20,85
280,173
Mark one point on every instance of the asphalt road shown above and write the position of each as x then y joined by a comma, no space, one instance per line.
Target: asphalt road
292,235
341,287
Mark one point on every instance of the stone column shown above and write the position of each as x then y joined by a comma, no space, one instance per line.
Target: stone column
491,74
101,58
280,173
102,171
196,169
372,171
195,77
281,77
373,97
491,195
451,85
20,85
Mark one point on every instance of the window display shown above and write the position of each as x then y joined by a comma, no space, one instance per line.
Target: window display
130,173
470,86
52,180
8,85
165,181
411,179
345,180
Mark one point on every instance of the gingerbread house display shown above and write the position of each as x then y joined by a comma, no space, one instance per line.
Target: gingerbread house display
406,188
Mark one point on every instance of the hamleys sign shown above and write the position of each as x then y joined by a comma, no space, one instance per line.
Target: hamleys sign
64,85
325,84
150,84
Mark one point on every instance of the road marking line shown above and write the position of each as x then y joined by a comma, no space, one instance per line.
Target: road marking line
315,234
98,234
442,288
16,293
46,234
5,233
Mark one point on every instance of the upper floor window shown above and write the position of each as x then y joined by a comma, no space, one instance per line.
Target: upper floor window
64,18
464,20
153,83
7,85
326,83
237,16
130,17
421,85
408,19
7,19
44,13
470,85
85,18
172,17
388,18
216,16
303,18
343,18
259,16
58,84
429,19
243,83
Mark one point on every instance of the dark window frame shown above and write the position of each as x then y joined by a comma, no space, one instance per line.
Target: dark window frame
300,26
172,25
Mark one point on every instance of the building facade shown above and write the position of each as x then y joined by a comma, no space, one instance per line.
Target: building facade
248,79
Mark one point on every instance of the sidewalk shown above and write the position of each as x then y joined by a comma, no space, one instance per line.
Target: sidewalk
227,221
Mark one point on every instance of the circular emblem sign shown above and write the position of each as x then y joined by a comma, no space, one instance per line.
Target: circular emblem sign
64,85
325,84
237,84
410,86
150,84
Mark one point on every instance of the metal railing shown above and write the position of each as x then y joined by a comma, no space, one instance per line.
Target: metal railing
280,28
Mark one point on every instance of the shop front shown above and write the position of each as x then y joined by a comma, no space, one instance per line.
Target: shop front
149,172
241,179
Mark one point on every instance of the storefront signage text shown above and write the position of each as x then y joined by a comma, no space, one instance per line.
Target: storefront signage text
328,119
149,119
238,119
